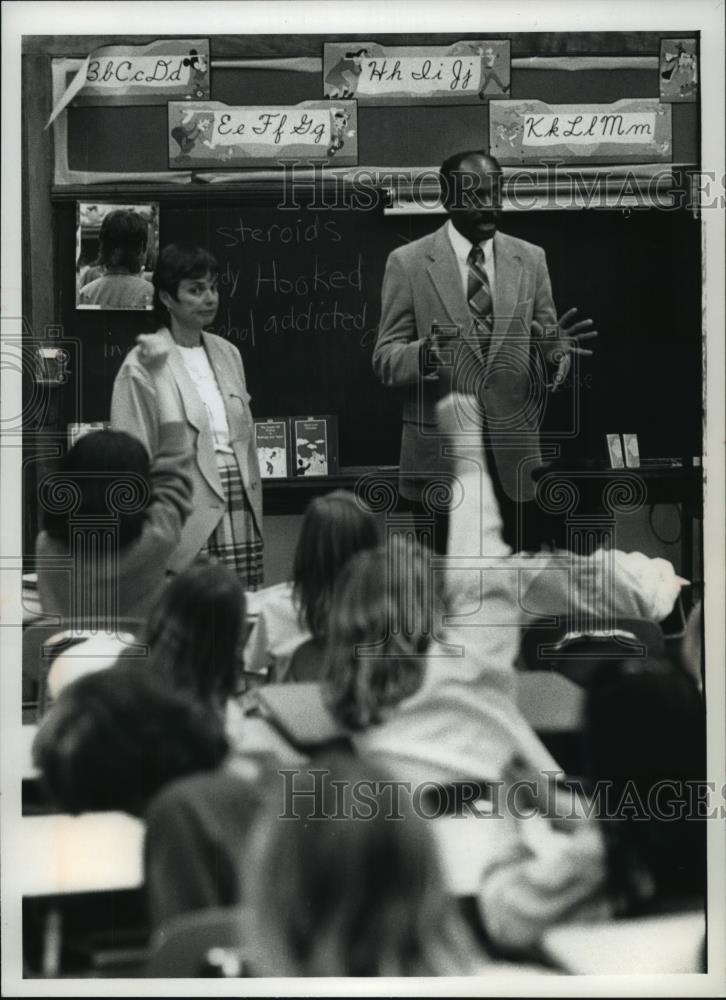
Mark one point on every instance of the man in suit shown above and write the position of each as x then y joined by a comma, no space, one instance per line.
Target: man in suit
471,308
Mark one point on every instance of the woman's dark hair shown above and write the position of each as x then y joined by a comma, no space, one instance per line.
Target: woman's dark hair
196,630
381,623
341,892
179,262
334,528
115,737
646,733
105,475
123,239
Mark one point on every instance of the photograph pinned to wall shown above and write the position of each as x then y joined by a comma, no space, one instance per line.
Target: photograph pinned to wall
116,251
463,72
315,441
77,431
272,443
678,70
212,134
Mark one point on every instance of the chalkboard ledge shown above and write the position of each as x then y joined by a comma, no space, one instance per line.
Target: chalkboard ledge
291,495
666,482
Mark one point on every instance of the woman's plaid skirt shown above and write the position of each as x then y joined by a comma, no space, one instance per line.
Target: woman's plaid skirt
236,541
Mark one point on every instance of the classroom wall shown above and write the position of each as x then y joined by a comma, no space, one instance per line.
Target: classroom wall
621,243
633,533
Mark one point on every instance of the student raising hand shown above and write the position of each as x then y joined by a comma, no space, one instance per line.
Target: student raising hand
153,351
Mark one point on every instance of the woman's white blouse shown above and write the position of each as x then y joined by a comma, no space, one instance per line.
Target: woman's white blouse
202,375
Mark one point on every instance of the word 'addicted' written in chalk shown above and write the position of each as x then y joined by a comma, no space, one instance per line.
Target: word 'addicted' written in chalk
318,317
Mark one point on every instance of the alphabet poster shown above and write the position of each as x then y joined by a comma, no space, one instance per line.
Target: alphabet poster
211,133
462,73
632,130
140,74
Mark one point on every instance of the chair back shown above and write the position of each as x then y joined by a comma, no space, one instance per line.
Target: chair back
306,663
576,652
43,643
206,944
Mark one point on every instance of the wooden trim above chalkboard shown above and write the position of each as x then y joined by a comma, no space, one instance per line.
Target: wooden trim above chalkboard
525,188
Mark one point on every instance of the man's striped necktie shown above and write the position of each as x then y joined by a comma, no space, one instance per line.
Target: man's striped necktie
478,289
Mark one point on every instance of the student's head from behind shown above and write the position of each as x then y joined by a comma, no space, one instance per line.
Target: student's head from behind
123,240
386,603
115,737
342,888
334,528
185,286
471,192
102,480
196,630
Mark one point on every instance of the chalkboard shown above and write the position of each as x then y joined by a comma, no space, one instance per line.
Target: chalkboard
300,297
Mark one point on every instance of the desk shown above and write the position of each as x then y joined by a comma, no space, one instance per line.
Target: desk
662,944
549,702
98,852
94,852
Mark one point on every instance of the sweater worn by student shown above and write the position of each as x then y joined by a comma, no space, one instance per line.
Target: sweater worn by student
276,634
463,722
87,587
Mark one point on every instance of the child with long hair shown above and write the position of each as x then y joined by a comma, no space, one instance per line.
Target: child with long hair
195,633
339,893
335,527
439,703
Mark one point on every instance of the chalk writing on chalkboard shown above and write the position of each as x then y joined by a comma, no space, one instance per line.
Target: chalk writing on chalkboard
209,134
321,291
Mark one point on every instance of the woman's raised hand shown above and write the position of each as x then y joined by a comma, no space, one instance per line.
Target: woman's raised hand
153,351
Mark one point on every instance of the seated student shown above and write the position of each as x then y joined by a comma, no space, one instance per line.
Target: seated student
196,828
646,848
339,893
439,703
334,528
547,578
123,241
115,737
195,637
549,869
107,473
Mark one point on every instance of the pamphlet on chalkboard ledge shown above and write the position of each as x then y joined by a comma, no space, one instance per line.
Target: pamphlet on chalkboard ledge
314,446
272,440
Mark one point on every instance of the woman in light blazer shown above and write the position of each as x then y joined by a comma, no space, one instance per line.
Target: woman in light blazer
226,518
